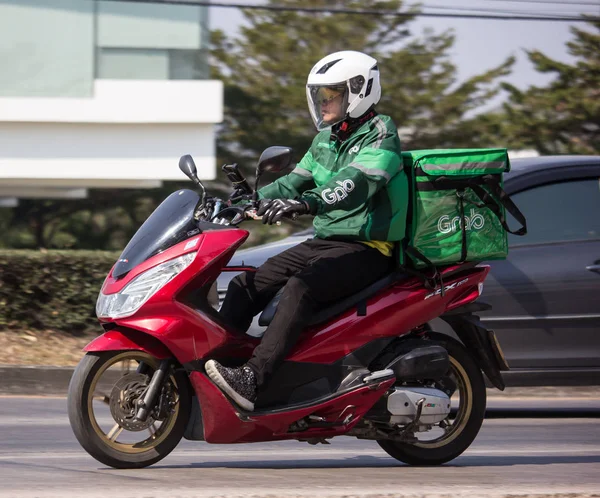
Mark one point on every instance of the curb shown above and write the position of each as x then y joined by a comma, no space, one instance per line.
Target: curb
35,380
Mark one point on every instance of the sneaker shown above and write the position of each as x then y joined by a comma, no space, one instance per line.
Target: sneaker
239,383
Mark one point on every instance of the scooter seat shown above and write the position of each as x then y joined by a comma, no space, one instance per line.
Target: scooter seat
359,300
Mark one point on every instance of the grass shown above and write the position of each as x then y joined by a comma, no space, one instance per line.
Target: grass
41,347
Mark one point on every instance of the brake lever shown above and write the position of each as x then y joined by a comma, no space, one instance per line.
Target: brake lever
251,213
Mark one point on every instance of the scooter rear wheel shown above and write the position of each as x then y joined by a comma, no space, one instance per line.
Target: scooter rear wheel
470,413
101,404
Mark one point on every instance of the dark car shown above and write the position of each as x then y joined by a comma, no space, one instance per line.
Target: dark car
546,296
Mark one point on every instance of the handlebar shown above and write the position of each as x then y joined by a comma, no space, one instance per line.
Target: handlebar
242,212
248,214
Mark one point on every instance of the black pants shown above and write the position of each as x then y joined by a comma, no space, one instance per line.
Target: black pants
314,273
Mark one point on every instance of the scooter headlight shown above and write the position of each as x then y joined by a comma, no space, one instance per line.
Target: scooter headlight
140,289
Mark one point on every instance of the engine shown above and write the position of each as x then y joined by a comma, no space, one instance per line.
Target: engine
403,405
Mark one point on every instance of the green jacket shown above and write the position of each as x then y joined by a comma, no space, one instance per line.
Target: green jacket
358,190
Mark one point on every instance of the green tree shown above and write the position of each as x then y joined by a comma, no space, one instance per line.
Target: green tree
564,116
265,71
105,220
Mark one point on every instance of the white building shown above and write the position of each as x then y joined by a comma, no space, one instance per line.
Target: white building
98,93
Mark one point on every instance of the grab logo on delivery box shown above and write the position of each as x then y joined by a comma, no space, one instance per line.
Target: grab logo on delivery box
474,222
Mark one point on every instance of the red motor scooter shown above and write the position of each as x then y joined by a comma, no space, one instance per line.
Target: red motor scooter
368,366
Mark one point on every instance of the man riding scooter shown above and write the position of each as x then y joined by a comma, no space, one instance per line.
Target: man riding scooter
343,181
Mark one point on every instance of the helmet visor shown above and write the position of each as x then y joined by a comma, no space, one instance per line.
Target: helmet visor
328,104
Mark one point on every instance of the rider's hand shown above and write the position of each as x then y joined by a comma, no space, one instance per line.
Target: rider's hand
272,210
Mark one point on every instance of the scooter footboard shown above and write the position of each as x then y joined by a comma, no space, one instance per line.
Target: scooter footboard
223,423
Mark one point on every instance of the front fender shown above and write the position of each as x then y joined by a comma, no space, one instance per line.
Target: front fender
127,339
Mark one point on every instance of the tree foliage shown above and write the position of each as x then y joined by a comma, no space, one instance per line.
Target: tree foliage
564,116
105,220
265,71
51,289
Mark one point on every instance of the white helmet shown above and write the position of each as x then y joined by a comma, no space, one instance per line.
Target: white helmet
352,75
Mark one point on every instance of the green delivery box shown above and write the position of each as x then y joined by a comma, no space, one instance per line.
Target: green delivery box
457,206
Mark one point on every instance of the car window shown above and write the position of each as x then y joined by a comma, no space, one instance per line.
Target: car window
559,212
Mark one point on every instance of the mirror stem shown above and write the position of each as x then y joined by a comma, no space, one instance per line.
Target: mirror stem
199,183
203,193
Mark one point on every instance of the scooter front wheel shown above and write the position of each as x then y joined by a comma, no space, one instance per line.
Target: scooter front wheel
455,435
102,404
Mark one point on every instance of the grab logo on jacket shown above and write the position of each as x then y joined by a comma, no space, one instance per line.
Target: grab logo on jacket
331,196
473,222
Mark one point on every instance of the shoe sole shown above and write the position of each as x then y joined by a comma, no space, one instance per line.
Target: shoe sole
222,384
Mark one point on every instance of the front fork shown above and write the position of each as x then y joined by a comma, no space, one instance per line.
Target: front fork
147,401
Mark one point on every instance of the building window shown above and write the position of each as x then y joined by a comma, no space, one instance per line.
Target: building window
149,41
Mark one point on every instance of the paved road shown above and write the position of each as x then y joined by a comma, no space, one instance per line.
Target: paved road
40,457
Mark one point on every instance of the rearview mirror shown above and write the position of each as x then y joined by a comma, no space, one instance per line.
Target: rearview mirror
274,159
188,167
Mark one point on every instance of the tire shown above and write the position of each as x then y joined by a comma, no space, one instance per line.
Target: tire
87,429
470,416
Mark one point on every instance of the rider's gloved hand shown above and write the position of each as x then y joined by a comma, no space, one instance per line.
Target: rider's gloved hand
272,210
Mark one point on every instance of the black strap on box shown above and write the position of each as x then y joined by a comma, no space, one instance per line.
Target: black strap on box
430,282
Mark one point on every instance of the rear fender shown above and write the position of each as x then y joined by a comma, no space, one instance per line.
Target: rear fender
480,343
128,339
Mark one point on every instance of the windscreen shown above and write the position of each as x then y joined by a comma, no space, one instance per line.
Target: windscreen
170,223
